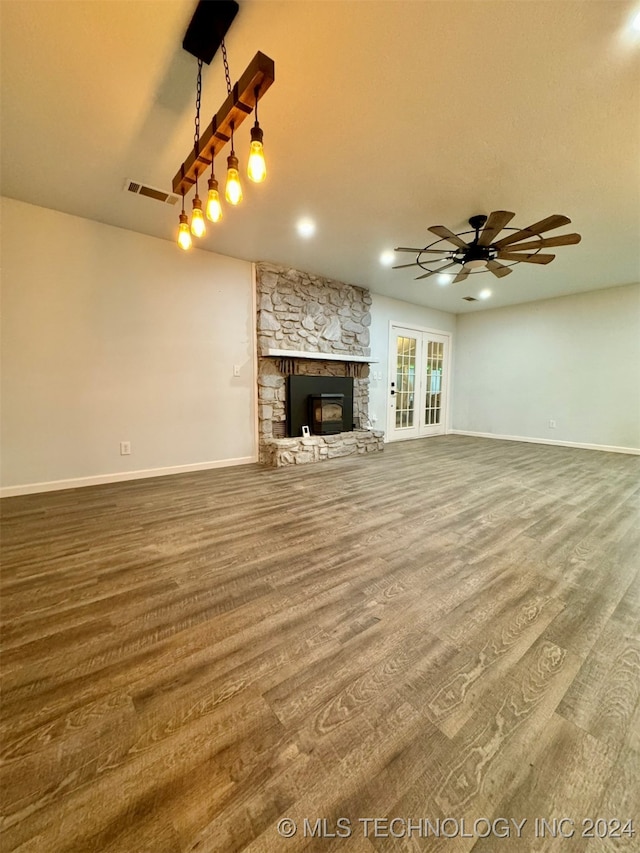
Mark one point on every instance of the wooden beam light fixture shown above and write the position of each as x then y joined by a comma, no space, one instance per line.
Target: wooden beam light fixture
242,99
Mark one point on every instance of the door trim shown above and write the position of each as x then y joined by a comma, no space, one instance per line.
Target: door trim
398,324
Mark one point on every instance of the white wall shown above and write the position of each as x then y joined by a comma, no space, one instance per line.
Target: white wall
575,360
109,335
384,311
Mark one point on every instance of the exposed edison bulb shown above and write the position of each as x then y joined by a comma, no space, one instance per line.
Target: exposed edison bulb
233,190
198,228
256,167
184,235
214,208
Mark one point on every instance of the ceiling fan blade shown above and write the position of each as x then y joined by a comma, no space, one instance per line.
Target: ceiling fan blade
547,224
446,234
544,242
497,269
495,223
422,251
464,273
404,266
527,259
435,272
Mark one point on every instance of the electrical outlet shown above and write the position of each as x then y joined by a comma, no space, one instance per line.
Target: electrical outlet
552,424
236,370
125,448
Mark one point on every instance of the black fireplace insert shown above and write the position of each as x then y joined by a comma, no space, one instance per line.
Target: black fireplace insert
323,403
325,413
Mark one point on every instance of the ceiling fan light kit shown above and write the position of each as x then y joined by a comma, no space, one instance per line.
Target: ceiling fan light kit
484,253
204,35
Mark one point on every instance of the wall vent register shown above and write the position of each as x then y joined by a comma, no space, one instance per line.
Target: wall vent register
138,188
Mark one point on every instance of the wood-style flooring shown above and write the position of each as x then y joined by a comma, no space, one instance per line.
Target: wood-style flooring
446,631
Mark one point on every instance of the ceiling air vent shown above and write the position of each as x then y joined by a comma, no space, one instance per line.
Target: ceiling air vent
151,192
469,299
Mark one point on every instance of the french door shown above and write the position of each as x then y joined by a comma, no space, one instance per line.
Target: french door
418,378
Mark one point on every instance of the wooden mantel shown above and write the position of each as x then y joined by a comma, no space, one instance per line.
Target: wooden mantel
318,356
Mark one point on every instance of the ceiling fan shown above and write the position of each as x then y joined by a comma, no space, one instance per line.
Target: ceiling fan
484,252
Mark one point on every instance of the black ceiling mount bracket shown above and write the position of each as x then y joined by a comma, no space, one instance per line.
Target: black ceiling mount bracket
478,221
209,25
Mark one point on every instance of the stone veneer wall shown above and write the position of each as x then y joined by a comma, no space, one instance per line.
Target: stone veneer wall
302,312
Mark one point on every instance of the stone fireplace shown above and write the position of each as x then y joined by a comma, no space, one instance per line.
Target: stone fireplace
311,330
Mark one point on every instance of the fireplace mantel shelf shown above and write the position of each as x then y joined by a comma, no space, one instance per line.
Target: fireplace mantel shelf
318,356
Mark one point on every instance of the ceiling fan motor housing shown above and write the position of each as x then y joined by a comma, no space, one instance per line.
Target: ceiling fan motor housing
475,256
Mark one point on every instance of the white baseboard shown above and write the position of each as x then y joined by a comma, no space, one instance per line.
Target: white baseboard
581,445
99,479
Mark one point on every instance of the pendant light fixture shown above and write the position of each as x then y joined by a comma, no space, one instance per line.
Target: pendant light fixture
233,189
256,166
198,228
184,235
204,36
214,208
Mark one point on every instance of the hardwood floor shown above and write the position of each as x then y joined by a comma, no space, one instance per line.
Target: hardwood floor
446,630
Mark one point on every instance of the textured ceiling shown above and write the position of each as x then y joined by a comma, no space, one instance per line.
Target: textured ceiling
385,118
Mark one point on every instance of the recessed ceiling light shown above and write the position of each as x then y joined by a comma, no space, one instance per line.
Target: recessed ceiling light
387,257
444,278
484,294
635,24
306,227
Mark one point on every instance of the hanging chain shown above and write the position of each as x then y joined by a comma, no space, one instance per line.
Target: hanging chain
196,135
226,66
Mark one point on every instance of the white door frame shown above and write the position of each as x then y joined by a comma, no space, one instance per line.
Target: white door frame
397,324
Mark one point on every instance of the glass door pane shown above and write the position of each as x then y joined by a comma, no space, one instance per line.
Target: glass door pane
405,382
433,398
